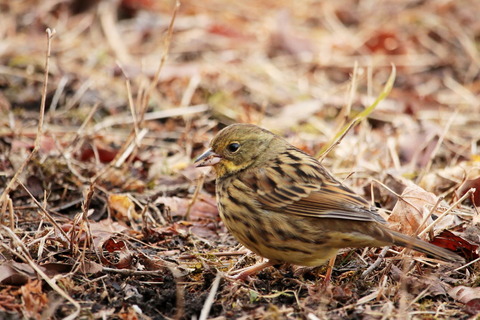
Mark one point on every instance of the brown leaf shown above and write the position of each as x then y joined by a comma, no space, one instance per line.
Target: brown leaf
116,253
467,185
52,269
104,155
434,285
386,42
227,31
468,296
473,306
203,207
123,208
34,298
103,230
448,240
16,273
408,214
8,300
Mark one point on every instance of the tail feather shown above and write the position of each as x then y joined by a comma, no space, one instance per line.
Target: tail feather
424,247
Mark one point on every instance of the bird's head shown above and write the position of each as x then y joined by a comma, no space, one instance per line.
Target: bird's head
235,148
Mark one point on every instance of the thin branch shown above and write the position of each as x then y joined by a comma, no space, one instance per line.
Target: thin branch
10,185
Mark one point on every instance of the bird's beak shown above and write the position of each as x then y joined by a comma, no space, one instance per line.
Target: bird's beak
208,158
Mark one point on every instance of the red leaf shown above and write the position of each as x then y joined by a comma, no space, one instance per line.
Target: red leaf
467,185
448,240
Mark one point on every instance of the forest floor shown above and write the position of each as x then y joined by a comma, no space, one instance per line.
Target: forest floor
103,214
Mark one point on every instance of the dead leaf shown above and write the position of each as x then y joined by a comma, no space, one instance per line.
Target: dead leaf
448,240
16,273
123,208
89,267
228,31
100,231
104,154
8,300
408,214
467,185
116,253
468,296
386,42
439,181
203,207
435,286
34,298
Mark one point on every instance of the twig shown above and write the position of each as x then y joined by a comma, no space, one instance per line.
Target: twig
195,195
129,272
131,105
174,112
45,212
74,145
351,95
58,93
216,254
50,282
438,145
440,217
129,150
468,264
9,187
107,10
211,298
166,49
385,92
377,262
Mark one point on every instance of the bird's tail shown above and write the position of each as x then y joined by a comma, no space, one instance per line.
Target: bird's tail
424,247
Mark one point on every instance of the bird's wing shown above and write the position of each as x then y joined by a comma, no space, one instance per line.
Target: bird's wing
305,188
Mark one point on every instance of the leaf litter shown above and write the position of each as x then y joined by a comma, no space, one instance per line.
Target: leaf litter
103,215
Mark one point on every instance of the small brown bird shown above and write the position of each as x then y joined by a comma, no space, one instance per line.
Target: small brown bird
282,203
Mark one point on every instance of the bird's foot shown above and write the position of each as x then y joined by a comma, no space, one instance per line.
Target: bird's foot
245,273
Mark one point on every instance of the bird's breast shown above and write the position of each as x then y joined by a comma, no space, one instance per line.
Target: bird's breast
274,235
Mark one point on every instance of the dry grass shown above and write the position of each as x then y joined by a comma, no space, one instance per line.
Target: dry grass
102,214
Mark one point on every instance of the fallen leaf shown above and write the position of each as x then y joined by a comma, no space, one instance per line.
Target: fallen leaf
8,300
448,240
34,298
104,155
467,185
203,207
468,296
386,42
16,273
116,253
408,214
123,208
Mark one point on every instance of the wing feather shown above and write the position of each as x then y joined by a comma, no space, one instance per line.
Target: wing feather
297,184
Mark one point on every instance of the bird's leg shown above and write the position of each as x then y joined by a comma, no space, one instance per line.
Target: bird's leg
328,275
243,274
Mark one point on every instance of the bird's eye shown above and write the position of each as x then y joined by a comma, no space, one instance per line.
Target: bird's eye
233,147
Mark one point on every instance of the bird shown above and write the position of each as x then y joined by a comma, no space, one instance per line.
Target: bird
284,205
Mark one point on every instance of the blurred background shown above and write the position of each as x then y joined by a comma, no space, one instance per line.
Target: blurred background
306,67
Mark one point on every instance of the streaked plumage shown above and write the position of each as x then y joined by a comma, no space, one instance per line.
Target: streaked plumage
282,204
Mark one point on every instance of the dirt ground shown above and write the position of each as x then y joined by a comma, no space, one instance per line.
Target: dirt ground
103,214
